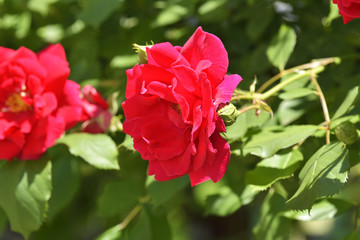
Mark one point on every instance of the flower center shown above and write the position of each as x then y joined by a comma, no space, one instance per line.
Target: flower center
15,103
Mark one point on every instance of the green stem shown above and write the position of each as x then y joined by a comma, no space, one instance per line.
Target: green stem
283,84
313,64
130,217
245,109
323,105
135,211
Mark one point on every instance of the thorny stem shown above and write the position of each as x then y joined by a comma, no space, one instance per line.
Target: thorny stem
323,105
313,64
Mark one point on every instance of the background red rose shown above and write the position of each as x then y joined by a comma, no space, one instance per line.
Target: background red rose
348,9
170,110
95,115
37,101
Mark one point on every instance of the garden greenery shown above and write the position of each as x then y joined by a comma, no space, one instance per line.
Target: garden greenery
288,161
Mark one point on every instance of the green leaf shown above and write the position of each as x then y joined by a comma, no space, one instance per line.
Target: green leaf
323,175
164,191
98,150
159,223
113,233
222,204
281,47
40,6
296,93
119,197
267,143
25,188
351,98
291,110
95,12
245,121
259,22
170,15
352,236
65,179
3,222
272,169
272,225
323,210
141,230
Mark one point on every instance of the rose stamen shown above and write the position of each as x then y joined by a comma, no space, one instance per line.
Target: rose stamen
15,103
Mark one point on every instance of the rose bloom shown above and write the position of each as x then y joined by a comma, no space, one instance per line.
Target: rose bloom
348,9
171,105
37,101
95,115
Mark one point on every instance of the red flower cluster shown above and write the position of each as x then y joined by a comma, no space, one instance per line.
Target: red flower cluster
348,9
96,116
37,101
171,105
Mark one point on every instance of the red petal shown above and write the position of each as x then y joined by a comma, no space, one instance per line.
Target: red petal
134,81
206,46
163,54
225,89
217,169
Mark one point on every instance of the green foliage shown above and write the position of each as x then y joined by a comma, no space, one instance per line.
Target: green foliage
65,179
281,47
268,141
271,224
272,169
279,163
322,176
118,197
25,189
98,150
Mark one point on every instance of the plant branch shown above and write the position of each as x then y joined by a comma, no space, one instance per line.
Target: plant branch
313,64
283,84
248,108
135,211
323,105
130,217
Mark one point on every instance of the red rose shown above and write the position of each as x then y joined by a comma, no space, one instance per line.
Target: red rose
37,101
95,115
348,9
170,110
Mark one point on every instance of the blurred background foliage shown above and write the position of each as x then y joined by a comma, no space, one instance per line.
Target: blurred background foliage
98,36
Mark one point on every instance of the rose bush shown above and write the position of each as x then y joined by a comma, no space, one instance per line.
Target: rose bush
95,115
37,101
348,9
171,108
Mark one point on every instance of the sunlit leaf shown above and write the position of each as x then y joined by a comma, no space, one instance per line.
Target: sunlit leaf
296,93
281,47
323,175
266,143
95,12
351,98
113,233
272,169
323,210
98,150
272,225
25,188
